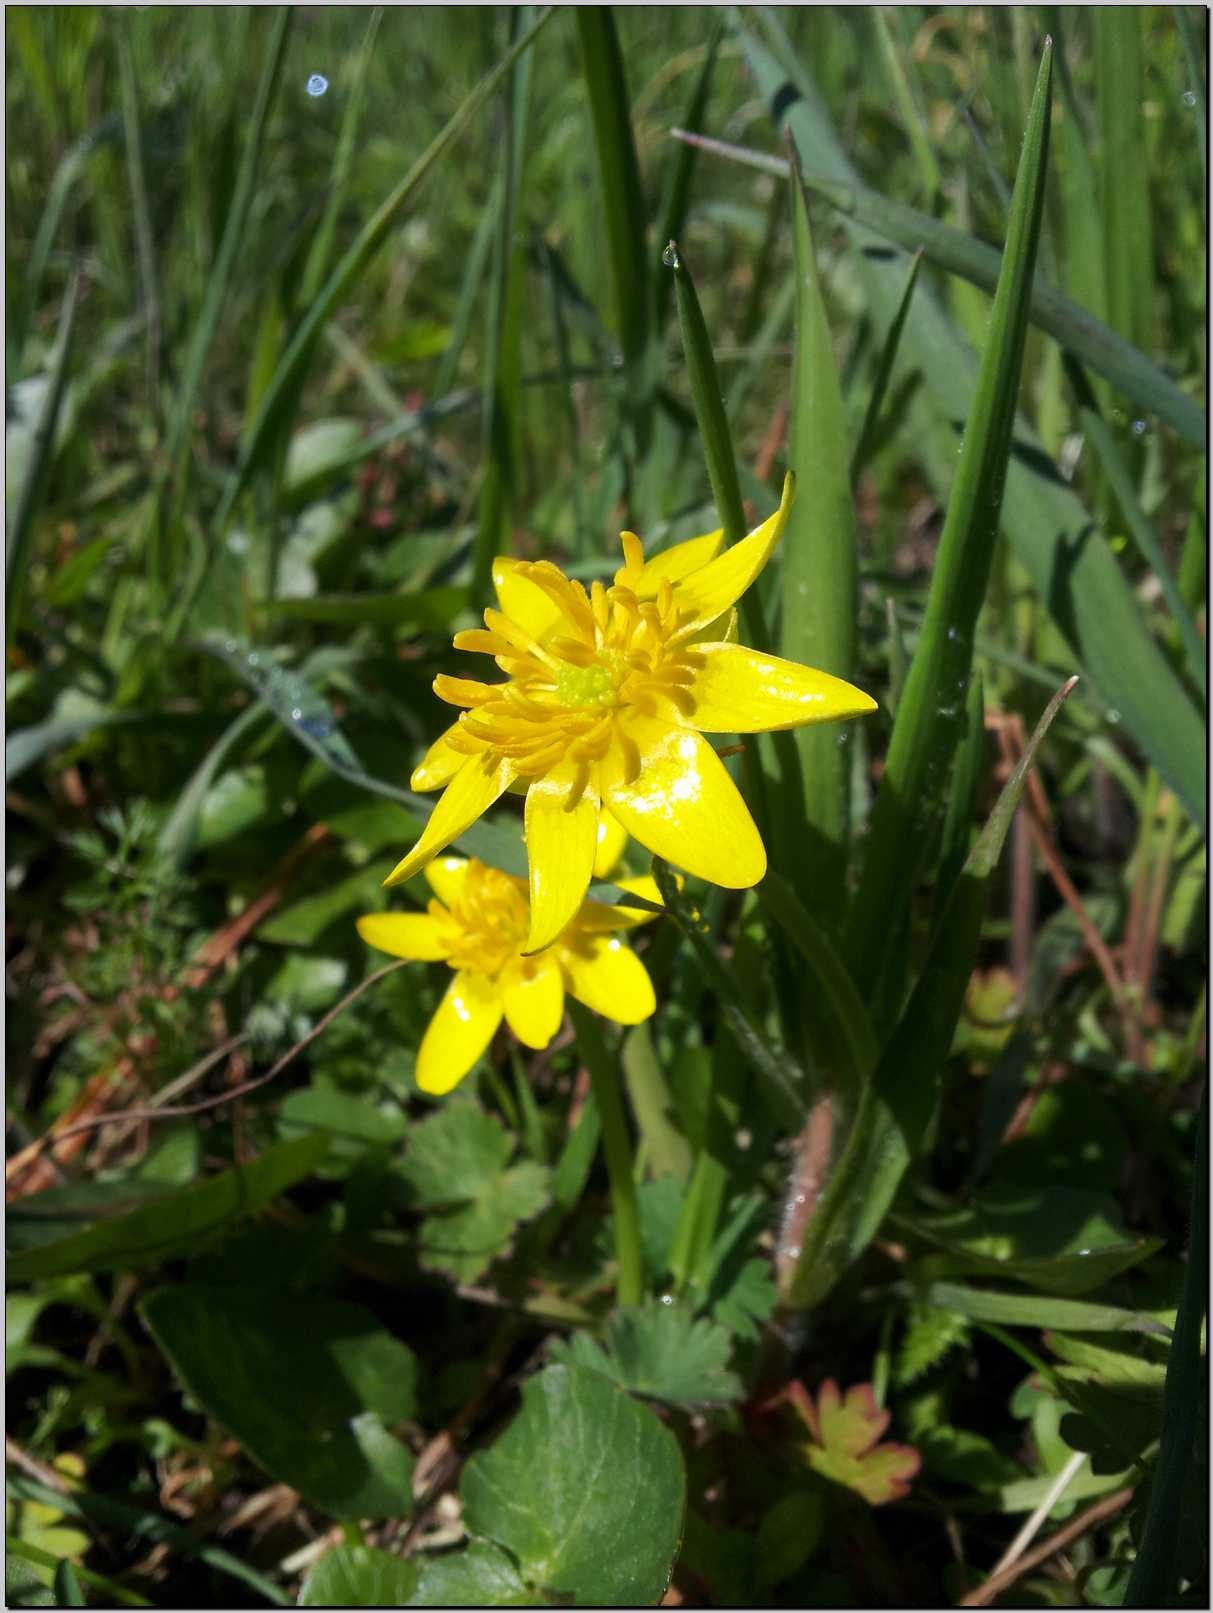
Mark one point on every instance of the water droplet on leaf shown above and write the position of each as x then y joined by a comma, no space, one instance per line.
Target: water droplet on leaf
316,85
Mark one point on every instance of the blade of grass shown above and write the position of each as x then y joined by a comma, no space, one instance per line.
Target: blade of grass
145,248
1154,1581
1120,480
820,584
1124,191
1129,370
367,242
603,1068
924,157
623,202
321,249
21,533
884,370
219,278
502,382
677,191
897,1105
927,728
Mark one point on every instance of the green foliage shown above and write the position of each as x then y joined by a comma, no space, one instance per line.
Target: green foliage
289,363
582,1469
457,1166
662,1352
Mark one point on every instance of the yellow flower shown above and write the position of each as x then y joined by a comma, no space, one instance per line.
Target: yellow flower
607,697
478,926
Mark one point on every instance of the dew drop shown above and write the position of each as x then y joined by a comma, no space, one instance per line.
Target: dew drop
1113,715
316,85
669,256
1189,97
793,1254
953,633
297,714
667,1299
231,646
1139,428
253,659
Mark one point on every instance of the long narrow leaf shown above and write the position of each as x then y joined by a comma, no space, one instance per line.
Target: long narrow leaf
928,718
1125,366
820,582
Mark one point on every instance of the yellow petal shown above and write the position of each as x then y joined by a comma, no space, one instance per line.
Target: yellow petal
606,975
709,592
522,600
674,563
445,876
461,1029
596,917
404,935
534,1000
560,843
472,791
740,691
612,838
439,764
682,804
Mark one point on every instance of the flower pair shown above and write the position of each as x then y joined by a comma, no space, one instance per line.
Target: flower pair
477,924
601,717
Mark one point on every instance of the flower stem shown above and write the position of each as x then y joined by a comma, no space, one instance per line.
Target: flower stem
617,1146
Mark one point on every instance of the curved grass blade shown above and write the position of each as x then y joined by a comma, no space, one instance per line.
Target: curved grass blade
145,245
1129,370
927,726
820,581
896,1107
370,238
21,533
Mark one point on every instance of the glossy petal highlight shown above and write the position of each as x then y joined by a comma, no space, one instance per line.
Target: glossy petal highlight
561,840
418,936
612,838
534,1001
445,877
674,796
523,600
607,976
740,691
472,791
439,764
461,1029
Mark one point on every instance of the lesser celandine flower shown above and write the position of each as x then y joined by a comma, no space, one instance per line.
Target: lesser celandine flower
478,925
608,695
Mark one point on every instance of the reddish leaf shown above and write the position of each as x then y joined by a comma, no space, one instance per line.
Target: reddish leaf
844,1445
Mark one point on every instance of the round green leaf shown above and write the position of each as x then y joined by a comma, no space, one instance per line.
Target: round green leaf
586,1488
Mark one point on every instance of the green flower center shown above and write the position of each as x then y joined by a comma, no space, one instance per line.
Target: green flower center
593,685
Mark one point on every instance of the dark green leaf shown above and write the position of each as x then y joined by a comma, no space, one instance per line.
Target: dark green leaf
308,1386
359,1576
660,1351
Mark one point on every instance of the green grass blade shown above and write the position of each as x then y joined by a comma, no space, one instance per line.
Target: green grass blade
924,156
820,582
369,239
1124,192
503,378
1155,1578
706,396
20,534
897,1105
884,371
469,295
781,1081
219,278
1129,370
622,196
1120,481
75,161
343,166
145,247
927,726
677,191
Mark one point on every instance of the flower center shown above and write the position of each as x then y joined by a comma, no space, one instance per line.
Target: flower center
609,651
488,924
